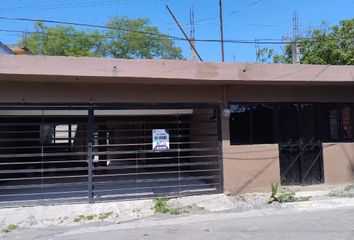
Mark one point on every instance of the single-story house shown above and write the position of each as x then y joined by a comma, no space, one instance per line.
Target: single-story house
96,128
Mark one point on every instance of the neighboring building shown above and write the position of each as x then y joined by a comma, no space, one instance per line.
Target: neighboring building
86,128
14,50
5,49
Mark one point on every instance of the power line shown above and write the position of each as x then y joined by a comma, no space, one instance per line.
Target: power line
231,41
89,25
75,5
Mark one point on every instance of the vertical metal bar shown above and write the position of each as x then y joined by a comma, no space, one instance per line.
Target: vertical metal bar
251,123
341,130
178,154
301,144
90,154
70,135
220,156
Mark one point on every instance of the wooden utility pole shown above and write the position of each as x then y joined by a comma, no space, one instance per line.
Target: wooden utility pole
183,32
221,33
296,45
192,32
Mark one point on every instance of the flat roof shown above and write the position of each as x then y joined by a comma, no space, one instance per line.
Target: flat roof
174,72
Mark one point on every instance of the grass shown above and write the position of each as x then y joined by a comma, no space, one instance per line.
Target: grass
9,228
160,206
346,192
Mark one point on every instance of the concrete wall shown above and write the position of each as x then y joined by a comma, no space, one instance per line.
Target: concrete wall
338,162
246,168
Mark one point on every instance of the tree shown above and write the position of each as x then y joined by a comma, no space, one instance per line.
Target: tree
264,55
63,41
325,45
123,38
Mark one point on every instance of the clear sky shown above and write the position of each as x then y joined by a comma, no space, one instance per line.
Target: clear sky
243,19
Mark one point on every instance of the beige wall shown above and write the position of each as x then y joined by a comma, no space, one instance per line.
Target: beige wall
246,168
338,162
109,92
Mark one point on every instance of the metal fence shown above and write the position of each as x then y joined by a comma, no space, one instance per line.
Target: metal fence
92,153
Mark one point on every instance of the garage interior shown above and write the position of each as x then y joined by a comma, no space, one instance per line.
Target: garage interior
95,153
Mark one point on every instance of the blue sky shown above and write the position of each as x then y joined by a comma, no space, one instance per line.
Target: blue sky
243,19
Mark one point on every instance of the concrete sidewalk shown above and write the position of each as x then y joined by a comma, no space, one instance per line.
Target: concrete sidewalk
127,211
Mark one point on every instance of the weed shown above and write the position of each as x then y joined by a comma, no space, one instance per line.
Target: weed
175,211
274,196
105,215
63,219
241,198
85,217
290,196
346,192
160,206
90,217
9,228
285,195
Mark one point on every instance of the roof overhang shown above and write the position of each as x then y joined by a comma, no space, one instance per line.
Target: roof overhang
169,72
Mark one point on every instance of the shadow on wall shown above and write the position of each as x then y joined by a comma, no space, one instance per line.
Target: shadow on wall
251,168
348,154
349,157
252,178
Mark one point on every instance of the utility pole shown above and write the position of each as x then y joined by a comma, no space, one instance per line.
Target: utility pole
256,41
192,33
180,28
221,33
296,45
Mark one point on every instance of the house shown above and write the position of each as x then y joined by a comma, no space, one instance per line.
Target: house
14,49
5,49
91,129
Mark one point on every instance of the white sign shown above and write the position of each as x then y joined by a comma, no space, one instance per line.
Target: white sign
160,140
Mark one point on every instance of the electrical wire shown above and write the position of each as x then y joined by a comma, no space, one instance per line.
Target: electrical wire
231,41
90,25
75,5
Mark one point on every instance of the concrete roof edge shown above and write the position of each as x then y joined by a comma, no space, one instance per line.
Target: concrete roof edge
166,70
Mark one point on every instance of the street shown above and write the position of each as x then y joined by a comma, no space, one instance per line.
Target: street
323,224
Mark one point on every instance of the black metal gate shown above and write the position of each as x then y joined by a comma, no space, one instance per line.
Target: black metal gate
94,152
300,148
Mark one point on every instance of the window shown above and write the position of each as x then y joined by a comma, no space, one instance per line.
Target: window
263,123
334,124
338,123
58,134
347,122
240,124
252,123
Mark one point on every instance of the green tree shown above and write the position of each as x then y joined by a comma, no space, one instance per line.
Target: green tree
325,45
63,41
124,38
264,55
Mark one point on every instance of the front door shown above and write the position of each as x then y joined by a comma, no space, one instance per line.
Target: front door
300,147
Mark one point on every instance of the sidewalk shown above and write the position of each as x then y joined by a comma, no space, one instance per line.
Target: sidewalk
125,211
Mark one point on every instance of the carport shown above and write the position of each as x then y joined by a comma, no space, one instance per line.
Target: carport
106,151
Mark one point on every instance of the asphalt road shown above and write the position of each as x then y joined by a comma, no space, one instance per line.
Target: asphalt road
324,224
